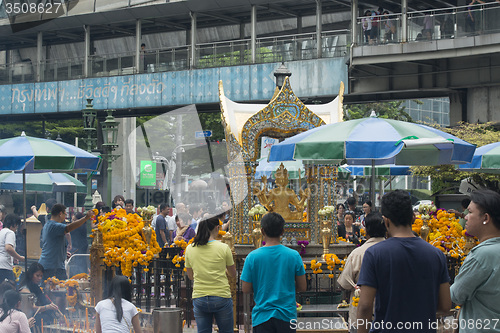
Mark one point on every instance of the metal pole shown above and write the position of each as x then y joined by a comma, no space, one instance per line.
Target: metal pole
354,22
253,33
39,48
87,51
193,40
138,36
404,20
372,183
25,232
319,28
178,155
109,173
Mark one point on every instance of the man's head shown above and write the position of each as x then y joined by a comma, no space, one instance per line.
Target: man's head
273,225
164,209
50,203
180,207
58,212
12,221
396,206
129,206
225,205
195,211
351,202
143,46
375,226
465,203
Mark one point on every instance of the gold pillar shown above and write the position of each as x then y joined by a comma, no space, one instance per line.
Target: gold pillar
96,268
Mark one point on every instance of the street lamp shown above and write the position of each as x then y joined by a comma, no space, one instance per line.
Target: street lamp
281,73
110,138
89,117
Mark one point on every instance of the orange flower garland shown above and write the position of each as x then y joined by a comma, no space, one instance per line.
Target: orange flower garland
124,245
445,233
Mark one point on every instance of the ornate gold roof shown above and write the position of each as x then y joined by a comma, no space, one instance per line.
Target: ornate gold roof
284,116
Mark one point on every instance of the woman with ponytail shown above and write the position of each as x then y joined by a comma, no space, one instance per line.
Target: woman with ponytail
11,319
117,314
207,261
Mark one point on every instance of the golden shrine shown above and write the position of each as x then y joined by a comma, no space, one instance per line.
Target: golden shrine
245,126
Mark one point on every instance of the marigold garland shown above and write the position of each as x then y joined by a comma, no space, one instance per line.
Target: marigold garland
445,233
124,245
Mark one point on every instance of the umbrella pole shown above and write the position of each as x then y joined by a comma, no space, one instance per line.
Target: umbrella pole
372,184
25,231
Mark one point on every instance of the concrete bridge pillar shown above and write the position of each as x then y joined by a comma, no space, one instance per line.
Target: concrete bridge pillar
475,105
123,178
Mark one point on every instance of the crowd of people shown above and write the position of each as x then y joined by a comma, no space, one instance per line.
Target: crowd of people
400,278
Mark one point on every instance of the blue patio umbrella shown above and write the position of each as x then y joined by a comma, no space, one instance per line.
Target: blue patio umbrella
42,182
380,170
374,141
32,155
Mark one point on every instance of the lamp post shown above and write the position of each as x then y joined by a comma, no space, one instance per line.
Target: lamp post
110,138
281,73
89,117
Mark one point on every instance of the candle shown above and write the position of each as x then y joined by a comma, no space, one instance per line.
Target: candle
66,321
74,328
87,318
42,325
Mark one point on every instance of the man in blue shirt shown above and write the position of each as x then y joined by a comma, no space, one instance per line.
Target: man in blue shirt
53,245
161,226
273,272
408,276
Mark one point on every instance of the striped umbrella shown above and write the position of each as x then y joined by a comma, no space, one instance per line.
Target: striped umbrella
42,182
34,155
486,159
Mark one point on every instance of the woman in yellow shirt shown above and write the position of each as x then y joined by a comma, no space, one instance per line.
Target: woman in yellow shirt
207,261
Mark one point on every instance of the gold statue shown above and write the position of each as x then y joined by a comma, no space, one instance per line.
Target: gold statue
280,198
257,235
147,232
326,236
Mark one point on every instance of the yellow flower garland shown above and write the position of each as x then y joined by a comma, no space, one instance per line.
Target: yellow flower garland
124,245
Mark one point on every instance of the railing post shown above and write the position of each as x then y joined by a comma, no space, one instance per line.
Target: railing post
139,65
319,27
404,21
253,37
86,72
39,57
354,21
193,40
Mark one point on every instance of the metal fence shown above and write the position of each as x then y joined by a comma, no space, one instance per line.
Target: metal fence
217,54
433,24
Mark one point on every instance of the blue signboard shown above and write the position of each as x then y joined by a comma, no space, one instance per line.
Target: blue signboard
319,77
202,134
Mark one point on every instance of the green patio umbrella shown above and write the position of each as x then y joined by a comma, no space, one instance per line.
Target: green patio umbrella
42,182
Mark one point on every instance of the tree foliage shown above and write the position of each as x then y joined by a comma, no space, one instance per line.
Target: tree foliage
387,110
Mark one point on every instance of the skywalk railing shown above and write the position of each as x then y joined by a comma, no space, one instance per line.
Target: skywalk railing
433,24
216,54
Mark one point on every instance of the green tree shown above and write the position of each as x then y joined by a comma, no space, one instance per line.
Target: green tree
388,110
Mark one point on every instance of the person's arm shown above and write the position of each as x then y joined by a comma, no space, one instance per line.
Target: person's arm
163,237
365,308
34,211
347,277
10,250
300,283
78,223
469,278
246,287
444,299
97,324
189,272
68,238
231,270
136,324
24,326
